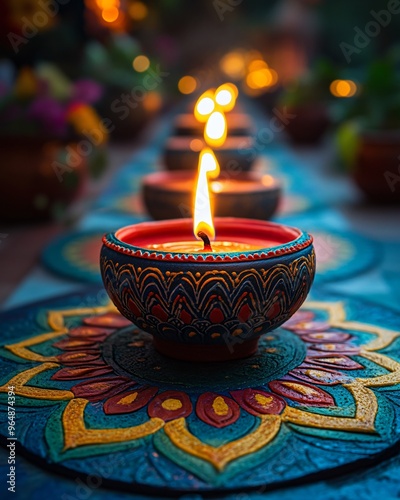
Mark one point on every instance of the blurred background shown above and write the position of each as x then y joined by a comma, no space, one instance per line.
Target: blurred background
89,90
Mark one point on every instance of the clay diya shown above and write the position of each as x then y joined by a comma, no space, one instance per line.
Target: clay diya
210,298
239,124
203,302
169,195
236,153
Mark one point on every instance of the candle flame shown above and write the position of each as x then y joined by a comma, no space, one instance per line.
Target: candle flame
202,219
216,129
204,106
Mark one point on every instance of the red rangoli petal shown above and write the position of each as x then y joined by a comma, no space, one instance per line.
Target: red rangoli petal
110,320
80,358
318,375
326,337
257,402
170,405
302,393
333,360
90,333
76,373
75,344
102,388
216,410
336,347
130,401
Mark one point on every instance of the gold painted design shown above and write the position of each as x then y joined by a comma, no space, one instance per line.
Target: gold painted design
172,404
77,434
363,421
56,322
220,407
301,389
259,284
220,456
127,400
263,400
20,380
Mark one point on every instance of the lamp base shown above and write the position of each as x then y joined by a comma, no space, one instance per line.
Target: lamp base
205,353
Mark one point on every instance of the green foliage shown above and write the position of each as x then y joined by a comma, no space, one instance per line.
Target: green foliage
377,104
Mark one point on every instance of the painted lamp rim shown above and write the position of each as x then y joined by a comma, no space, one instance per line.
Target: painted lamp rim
297,240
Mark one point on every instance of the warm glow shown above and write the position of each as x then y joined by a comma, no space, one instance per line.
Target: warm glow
110,14
233,65
187,84
343,88
225,96
141,63
202,216
204,106
216,129
138,11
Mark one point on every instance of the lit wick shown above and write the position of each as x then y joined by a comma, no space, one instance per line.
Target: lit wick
206,241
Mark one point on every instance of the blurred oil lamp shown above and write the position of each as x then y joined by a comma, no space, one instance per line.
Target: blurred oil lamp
233,152
207,292
168,195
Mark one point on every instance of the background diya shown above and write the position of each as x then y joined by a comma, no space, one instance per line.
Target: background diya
210,120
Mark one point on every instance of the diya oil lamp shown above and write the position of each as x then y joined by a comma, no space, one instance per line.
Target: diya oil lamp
210,109
168,195
207,294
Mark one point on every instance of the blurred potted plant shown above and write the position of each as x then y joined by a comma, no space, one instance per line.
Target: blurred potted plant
306,102
369,140
51,141
132,84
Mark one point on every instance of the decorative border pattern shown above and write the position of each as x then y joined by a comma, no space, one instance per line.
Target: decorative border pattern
303,241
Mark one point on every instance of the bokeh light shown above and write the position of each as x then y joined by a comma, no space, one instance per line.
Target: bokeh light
187,84
110,14
343,88
233,64
141,63
138,11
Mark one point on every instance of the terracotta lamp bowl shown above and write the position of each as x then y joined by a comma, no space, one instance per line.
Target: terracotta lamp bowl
236,155
208,306
169,195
